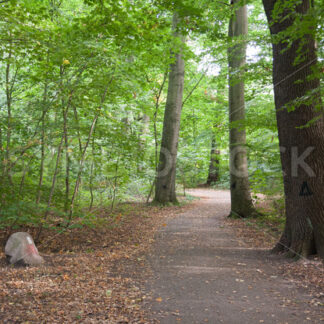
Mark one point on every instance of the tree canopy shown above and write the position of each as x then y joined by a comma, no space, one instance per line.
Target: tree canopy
83,90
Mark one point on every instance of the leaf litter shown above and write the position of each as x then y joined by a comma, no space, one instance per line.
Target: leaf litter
91,275
306,273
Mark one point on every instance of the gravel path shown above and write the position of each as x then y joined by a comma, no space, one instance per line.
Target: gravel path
203,274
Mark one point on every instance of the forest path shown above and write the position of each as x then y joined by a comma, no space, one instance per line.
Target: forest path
203,274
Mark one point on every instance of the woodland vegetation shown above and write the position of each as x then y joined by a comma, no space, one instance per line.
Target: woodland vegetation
109,101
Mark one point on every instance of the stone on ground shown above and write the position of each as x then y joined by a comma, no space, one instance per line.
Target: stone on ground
20,249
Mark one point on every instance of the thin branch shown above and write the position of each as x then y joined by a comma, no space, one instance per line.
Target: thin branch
92,128
193,89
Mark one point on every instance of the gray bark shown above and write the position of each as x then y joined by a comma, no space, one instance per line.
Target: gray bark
241,202
42,161
213,172
166,173
293,82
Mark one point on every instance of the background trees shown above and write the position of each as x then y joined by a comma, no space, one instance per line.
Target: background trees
83,89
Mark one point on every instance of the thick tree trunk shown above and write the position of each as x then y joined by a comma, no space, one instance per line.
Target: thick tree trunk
213,172
241,202
166,174
298,101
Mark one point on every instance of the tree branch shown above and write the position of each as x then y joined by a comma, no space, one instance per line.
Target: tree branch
193,89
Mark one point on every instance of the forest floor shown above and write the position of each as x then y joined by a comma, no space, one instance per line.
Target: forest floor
185,264
90,275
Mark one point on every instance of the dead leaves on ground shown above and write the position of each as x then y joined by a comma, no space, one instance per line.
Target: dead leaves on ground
306,273
91,275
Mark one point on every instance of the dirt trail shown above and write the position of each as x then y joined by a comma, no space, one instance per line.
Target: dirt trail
203,274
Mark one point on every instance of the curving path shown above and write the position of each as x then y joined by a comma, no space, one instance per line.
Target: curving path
203,275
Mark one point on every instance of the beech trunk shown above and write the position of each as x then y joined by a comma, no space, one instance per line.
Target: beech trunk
213,172
166,174
298,101
241,201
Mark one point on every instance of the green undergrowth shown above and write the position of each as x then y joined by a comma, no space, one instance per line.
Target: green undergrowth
271,216
29,218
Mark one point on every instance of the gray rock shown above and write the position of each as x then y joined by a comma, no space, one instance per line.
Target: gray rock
20,249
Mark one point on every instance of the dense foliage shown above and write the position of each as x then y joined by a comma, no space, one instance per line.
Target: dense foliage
83,88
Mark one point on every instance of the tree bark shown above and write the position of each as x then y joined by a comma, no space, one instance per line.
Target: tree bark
9,82
298,101
67,163
241,201
166,174
92,175
42,161
43,136
213,172
78,128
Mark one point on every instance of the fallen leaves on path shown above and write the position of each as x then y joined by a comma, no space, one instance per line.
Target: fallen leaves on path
306,273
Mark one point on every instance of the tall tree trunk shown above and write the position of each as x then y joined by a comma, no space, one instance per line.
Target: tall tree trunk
66,142
78,128
241,202
1,149
92,175
213,172
9,89
166,174
42,161
302,148
43,144
142,134
67,163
